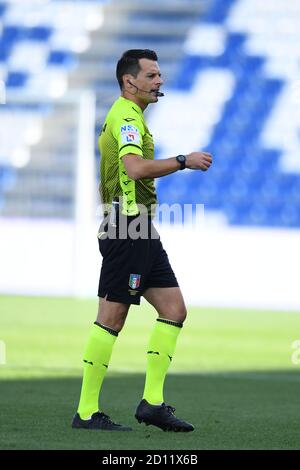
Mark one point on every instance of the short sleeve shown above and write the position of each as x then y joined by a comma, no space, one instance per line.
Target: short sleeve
129,133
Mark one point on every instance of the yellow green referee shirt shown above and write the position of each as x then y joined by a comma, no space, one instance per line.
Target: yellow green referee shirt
125,131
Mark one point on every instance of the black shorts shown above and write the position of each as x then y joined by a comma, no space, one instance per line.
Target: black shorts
129,267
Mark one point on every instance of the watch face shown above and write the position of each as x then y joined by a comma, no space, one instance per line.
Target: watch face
181,160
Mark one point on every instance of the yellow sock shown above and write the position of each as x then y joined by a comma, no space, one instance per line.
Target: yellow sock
96,359
159,355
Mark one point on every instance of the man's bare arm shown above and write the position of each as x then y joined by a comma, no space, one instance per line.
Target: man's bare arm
137,168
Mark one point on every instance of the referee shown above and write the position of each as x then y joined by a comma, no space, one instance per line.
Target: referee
134,266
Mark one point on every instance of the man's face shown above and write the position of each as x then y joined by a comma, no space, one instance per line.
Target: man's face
148,79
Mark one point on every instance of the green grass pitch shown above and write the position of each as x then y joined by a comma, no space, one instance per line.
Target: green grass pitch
232,376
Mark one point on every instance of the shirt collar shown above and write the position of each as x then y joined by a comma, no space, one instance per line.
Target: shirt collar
133,104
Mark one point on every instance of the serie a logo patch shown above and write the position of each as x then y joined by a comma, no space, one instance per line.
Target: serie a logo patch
134,281
130,134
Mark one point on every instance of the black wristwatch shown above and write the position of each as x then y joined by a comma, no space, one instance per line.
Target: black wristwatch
181,159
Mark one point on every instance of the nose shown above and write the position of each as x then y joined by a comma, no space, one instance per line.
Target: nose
160,81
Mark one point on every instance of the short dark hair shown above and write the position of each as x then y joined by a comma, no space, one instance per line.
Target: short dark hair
129,62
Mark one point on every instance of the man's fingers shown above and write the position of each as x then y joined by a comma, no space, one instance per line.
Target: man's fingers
207,157
206,163
204,167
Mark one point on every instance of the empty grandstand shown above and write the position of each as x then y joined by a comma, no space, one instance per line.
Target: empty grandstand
231,71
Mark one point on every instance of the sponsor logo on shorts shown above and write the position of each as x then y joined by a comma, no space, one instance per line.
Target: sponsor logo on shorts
132,292
134,281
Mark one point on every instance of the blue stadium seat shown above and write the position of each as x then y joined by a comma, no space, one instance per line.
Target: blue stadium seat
3,7
7,177
62,58
290,215
39,33
16,79
217,11
5,49
12,34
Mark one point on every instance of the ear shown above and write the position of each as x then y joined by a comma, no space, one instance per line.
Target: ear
127,78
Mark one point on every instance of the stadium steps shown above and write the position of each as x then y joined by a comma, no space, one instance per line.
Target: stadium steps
127,25
49,161
39,183
147,28
167,6
169,49
48,174
37,206
104,71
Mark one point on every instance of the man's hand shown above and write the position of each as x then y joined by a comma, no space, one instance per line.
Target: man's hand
198,161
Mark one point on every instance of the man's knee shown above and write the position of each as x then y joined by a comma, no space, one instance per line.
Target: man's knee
112,314
177,313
